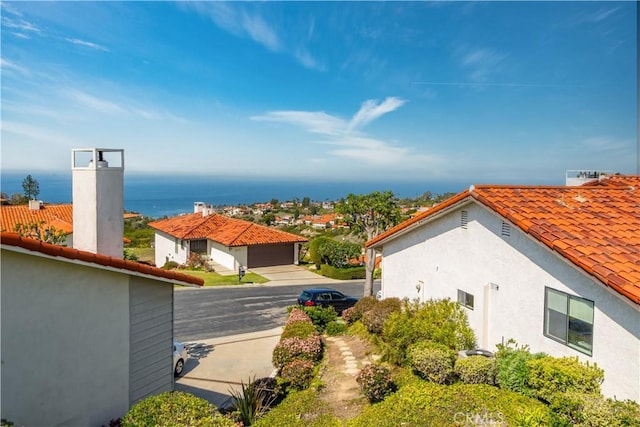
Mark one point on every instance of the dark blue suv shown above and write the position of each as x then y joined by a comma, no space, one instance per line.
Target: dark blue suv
324,297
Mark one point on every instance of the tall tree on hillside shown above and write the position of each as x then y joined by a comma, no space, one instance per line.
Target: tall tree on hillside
373,214
31,188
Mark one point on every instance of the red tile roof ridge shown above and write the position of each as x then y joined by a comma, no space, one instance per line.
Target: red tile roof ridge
434,209
14,239
564,218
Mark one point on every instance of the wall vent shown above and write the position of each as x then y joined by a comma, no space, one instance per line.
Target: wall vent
464,219
506,229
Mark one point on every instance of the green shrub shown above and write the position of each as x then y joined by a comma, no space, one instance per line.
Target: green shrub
170,265
172,409
321,316
252,400
363,305
476,370
593,410
421,403
442,321
314,245
298,329
300,409
298,374
432,361
338,254
376,316
336,328
290,349
343,273
375,382
549,376
512,372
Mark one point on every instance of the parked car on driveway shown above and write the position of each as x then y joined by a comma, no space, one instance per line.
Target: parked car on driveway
179,357
325,297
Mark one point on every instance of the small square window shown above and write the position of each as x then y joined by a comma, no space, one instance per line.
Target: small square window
465,299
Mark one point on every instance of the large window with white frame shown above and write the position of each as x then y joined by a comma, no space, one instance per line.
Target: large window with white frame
569,319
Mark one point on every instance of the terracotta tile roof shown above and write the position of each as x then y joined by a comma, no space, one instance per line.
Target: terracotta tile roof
58,216
617,180
222,229
13,239
595,227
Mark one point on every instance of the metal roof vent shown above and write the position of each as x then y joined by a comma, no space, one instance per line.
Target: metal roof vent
506,229
464,219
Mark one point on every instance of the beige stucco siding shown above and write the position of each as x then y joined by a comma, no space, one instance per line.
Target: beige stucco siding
65,342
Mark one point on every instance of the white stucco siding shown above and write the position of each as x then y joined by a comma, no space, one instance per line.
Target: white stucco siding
230,257
507,277
65,340
168,248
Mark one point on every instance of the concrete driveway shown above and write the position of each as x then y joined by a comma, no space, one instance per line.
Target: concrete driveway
291,274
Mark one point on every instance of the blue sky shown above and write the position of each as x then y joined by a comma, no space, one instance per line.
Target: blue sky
477,92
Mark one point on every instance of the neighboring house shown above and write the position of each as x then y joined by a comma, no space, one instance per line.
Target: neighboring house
84,335
320,221
556,268
58,216
229,242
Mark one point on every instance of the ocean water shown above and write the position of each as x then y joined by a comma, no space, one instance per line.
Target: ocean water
169,195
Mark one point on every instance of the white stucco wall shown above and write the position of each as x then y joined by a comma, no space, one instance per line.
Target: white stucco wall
65,342
231,258
165,249
507,276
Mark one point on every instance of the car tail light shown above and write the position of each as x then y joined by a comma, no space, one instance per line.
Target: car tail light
309,303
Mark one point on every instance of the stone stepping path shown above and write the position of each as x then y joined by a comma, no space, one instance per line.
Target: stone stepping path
351,365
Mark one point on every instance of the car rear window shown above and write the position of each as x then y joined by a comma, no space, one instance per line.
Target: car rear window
305,296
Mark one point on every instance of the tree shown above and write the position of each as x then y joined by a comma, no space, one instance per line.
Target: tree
38,231
31,188
306,202
268,218
373,214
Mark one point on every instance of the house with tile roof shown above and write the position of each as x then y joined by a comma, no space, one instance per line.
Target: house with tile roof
227,241
84,335
57,216
556,268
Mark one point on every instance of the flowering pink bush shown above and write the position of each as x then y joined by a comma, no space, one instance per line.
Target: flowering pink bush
289,349
297,315
375,382
298,373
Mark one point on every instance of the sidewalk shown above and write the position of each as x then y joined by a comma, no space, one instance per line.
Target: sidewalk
219,364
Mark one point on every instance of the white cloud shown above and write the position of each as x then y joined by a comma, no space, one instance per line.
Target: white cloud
87,44
607,144
7,65
481,63
315,122
371,110
35,133
236,19
260,31
348,138
20,24
95,103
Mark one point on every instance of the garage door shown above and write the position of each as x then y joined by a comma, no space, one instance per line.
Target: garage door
267,255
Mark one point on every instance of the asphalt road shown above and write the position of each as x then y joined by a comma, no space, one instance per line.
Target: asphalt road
220,311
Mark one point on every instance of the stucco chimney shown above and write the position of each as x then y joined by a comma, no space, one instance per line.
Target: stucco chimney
98,200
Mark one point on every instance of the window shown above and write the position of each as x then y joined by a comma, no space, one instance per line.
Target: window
569,319
465,299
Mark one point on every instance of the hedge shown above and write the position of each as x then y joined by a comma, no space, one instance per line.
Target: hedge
342,273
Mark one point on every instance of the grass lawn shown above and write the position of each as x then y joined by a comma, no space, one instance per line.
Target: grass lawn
143,254
215,279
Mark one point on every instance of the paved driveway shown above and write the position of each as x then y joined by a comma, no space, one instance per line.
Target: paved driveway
291,274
